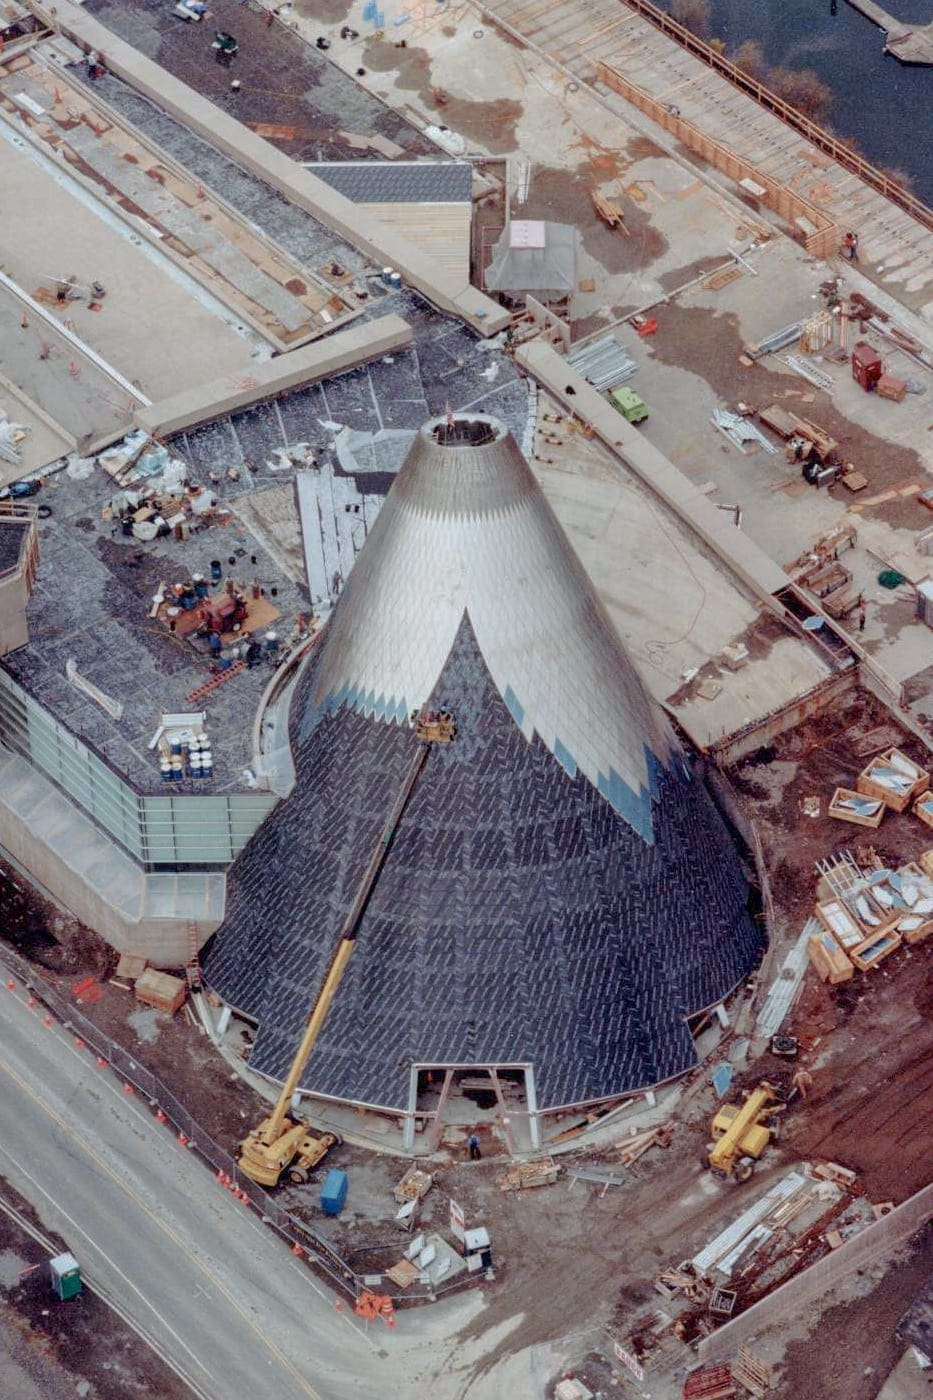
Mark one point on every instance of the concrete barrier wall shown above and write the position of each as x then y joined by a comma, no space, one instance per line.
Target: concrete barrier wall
363,341
260,158
793,1297
725,752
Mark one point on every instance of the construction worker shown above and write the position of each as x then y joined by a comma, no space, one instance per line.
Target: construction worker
803,1082
473,1146
861,613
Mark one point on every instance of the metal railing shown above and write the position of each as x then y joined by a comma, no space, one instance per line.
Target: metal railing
320,1255
832,145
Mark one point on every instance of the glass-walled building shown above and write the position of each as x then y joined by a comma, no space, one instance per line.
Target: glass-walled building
161,832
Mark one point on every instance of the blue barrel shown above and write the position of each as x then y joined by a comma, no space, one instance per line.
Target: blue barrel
334,1191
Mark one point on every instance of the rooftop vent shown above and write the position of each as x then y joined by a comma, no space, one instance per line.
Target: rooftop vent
465,432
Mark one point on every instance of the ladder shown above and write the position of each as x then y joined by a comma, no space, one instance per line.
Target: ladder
193,957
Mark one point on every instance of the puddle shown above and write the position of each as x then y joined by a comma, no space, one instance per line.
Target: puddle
11,1266
145,1022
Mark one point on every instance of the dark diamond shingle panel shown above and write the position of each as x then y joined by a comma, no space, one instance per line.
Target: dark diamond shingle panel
517,917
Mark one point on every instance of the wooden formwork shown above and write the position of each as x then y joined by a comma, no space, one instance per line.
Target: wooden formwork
819,235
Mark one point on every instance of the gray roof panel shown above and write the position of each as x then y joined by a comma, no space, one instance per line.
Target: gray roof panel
398,182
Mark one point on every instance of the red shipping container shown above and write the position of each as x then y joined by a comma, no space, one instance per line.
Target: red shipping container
866,365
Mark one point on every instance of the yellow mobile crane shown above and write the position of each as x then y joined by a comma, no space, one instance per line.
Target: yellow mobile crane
282,1145
741,1133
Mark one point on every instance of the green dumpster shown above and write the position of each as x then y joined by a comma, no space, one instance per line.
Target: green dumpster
629,404
66,1276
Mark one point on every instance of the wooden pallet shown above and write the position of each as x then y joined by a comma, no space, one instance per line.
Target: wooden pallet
749,1370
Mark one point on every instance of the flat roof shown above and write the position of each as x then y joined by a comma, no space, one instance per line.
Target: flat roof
91,605
95,586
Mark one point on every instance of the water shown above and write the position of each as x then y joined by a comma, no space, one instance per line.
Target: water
886,106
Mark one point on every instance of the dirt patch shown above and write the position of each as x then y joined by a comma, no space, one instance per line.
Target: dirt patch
680,276
78,1340
708,343
854,1347
564,197
588,325
493,123
325,11
871,1108
68,956
643,148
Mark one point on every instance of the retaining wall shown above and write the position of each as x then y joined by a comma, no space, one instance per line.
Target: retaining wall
792,1298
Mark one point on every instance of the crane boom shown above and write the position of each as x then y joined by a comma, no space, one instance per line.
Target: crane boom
273,1125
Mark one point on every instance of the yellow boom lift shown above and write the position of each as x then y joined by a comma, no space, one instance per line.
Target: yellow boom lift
742,1132
283,1145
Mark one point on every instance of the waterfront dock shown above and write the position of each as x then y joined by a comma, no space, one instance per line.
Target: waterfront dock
909,43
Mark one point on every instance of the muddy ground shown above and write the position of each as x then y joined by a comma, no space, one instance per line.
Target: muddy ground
709,344
285,83
54,1349
854,1346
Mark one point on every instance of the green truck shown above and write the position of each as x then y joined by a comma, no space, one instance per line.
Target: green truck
629,404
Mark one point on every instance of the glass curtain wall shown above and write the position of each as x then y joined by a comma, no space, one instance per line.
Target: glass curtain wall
161,832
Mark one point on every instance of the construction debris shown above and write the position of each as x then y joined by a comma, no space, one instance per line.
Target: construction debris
522,1175
608,210
804,366
634,1147
740,430
114,708
778,340
11,435
414,1185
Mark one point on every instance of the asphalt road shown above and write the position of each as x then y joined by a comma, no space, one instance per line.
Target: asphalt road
220,1295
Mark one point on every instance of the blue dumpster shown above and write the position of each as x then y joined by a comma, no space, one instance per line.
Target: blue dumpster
334,1191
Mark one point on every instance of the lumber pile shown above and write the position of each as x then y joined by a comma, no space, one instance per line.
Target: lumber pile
523,1175
710,1383
632,1148
608,210
749,1370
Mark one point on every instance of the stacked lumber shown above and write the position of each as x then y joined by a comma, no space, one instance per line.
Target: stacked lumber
634,1147
751,1371
607,210
161,990
522,1175
709,1383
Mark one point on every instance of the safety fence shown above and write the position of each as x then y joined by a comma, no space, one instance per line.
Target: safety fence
169,1109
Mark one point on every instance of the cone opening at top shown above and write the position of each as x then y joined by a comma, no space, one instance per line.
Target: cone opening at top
464,430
